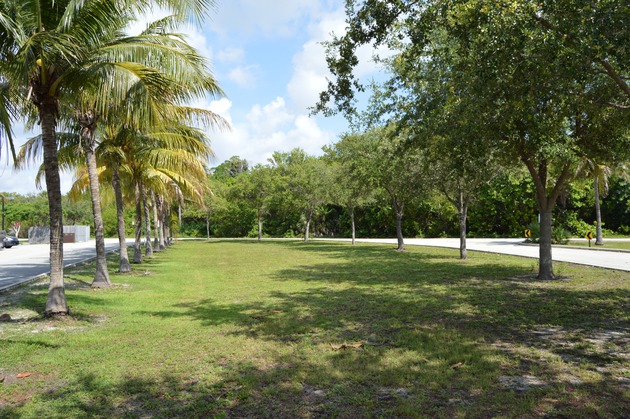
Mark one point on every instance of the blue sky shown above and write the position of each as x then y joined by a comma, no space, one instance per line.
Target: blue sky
268,58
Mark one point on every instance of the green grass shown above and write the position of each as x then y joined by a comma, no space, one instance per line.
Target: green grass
608,244
287,329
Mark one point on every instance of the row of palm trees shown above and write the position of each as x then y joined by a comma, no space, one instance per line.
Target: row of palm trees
111,106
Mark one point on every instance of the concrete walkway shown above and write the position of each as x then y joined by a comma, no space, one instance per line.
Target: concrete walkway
25,262
609,259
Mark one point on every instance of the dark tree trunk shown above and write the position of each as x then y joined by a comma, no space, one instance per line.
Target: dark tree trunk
137,245
125,266
88,124
56,301
599,237
545,270
546,202
208,226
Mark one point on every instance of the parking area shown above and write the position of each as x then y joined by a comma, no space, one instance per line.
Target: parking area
26,262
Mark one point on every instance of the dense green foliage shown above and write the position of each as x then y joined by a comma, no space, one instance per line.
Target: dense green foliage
503,207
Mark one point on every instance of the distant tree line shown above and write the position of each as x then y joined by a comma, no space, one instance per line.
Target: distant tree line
504,206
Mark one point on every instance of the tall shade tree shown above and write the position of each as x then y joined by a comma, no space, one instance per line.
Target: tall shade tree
308,181
351,191
529,87
379,158
256,188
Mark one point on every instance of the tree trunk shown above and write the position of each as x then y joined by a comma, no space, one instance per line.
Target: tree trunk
259,225
599,238
148,248
351,210
137,245
156,224
125,266
160,206
546,202
308,225
545,268
463,213
101,276
208,225
56,301
166,225
398,208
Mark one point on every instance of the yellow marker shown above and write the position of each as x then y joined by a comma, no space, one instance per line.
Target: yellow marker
528,233
589,235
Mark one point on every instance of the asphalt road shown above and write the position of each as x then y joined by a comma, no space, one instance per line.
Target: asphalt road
26,262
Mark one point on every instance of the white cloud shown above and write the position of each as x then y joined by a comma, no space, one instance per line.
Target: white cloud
265,129
269,18
244,76
231,55
270,117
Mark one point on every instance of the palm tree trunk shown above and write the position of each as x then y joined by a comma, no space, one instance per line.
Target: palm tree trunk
148,248
160,215
125,266
56,303
166,225
101,276
156,224
599,237
137,246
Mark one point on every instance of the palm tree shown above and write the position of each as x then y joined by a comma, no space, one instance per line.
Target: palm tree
165,160
7,114
182,74
599,174
45,44
47,55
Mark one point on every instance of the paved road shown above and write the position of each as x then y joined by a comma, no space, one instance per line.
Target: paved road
593,257
25,262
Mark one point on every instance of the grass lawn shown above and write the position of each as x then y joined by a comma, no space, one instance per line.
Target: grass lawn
284,329
608,244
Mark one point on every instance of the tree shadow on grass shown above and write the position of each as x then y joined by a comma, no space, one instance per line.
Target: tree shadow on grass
380,334
444,334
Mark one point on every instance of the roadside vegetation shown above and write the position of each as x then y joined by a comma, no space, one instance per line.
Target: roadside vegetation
291,329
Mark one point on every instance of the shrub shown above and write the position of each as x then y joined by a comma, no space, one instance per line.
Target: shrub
559,234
